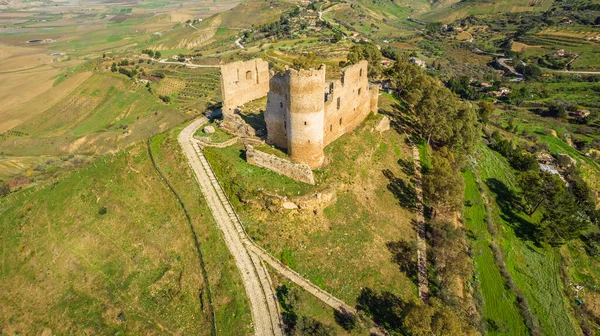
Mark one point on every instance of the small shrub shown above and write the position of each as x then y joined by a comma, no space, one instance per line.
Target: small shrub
4,189
102,211
287,257
309,326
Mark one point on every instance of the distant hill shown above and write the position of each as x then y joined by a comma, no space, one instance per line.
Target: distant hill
451,10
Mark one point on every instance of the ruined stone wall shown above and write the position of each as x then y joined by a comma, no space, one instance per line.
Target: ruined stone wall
242,82
374,88
277,112
297,171
348,102
305,113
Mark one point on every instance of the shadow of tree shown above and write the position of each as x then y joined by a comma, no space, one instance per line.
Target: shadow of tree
404,254
408,166
345,319
403,191
591,243
402,119
507,202
385,308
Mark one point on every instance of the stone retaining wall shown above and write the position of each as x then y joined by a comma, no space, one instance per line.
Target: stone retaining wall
223,144
297,171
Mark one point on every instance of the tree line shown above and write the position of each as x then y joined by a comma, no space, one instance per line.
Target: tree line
449,127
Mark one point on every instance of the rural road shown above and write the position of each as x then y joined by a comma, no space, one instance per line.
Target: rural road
263,302
502,62
479,51
578,72
322,19
237,42
249,257
189,65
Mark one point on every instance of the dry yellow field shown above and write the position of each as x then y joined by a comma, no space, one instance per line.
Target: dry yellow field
572,33
464,36
27,85
521,47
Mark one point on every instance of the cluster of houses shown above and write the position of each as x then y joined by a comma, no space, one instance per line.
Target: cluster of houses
501,92
563,53
355,37
413,60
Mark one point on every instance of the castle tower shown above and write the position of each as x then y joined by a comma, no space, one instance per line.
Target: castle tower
305,119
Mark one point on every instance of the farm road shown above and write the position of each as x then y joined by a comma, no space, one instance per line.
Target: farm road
263,302
423,283
248,256
237,42
189,65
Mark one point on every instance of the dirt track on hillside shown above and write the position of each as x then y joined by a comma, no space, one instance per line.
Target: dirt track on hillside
249,257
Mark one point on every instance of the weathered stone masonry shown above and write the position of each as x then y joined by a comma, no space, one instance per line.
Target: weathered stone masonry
297,171
242,82
304,112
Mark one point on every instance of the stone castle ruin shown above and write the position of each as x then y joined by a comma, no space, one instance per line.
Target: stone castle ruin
305,112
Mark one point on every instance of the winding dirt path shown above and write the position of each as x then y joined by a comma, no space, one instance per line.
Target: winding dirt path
249,257
189,65
423,285
265,310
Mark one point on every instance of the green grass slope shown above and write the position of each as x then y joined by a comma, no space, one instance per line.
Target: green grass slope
449,12
500,309
107,250
108,111
341,240
232,314
534,269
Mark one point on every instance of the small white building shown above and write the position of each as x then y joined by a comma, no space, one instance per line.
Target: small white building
418,61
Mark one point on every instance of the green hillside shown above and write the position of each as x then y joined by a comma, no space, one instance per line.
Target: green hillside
110,248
